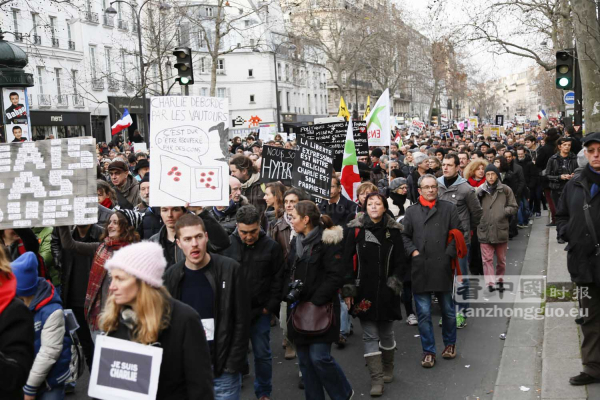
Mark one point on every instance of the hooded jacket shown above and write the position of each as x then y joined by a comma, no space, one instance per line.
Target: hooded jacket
262,265
498,205
463,196
16,340
52,343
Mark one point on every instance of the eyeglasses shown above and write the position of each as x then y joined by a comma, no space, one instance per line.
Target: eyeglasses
429,187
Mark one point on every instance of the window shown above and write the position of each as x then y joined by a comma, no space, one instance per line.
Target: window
123,63
15,14
287,100
221,65
252,43
209,13
247,23
202,65
250,73
107,57
74,78
34,22
251,98
184,35
40,79
69,31
57,77
53,27
204,92
278,71
221,92
93,61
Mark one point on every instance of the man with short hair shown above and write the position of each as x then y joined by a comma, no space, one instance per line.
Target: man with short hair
18,134
422,167
428,225
379,172
464,160
338,207
490,154
227,215
214,286
455,189
144,195
126,187
261,259
532,180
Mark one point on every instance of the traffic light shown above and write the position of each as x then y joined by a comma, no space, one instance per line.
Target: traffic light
184,65
565,69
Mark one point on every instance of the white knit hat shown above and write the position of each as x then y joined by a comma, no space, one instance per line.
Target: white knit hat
144,260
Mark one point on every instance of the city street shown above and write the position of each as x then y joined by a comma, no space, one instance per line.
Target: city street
471,375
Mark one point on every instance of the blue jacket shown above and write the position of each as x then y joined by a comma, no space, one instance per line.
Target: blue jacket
45,303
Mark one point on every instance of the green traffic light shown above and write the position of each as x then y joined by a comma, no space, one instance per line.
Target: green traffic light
563,82
184,80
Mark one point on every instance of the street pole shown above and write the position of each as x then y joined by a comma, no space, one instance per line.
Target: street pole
355,98
578,107
142,74
276,89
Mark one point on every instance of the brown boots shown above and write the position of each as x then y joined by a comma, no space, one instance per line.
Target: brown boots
290,350
375,365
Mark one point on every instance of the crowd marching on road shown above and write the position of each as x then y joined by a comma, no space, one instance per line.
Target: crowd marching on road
210,285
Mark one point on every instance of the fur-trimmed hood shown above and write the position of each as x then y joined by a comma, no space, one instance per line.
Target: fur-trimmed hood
333,235
390,223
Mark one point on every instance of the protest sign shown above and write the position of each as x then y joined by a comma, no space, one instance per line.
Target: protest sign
333,135
276,165
419,124
48,183
124,370
493,131
188,143
313,168
16,114
140,148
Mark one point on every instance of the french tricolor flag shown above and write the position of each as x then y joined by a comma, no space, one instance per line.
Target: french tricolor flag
124,122
542,115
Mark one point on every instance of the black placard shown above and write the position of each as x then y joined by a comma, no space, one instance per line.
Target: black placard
276,165
333,135
313,168
500,120
124,370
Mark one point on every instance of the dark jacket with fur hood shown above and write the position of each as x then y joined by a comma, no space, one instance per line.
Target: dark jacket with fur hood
320,269
376,282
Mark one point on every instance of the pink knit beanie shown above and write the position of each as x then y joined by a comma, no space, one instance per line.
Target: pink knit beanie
144,260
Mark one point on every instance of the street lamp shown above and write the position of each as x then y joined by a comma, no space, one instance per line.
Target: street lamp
112,11
291,47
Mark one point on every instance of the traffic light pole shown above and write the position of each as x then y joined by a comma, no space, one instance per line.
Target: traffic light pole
578,109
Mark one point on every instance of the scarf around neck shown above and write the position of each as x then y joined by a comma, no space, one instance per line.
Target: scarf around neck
427,203
476,183
304,243
254,178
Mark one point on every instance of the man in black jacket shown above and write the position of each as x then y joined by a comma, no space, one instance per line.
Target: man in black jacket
515,179
214,286
339,208
261,259
543,155
580,225
532,179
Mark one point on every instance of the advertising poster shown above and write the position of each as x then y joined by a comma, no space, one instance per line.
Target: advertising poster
16,115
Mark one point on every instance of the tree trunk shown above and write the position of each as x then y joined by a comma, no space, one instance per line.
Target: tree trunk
213,75
433,97
587,35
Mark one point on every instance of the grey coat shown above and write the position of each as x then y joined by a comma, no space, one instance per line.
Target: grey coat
463,196
426,230
497,208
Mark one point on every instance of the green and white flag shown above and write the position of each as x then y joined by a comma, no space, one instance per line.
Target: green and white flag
378,121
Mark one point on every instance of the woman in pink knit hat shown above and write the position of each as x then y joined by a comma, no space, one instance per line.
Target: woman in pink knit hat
140,309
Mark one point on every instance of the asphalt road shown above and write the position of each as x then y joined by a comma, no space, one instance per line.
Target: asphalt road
471,375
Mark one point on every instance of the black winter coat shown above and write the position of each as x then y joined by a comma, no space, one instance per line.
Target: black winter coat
262,264
226,218
151,223
16,348
558,166
322,274
531,173
426,230
341,213
515,179
380,266
582,261
185,371
232,310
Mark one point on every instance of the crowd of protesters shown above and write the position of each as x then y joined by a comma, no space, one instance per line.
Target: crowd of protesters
204,283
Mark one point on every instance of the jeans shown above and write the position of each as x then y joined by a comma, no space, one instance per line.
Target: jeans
228,386
523,213
57,393
345,322
487,253
423,303
260,336
321,371
378,334
464,269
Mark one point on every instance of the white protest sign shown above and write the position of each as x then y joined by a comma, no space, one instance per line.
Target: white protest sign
140,147
124,370
188,143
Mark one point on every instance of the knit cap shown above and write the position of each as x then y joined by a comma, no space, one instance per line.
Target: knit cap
133,217
25,269
396,183
419,157
144,260
492,167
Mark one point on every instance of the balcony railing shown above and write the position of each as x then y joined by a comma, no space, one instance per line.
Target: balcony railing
37,39
18,37
44,100
71,45
109,21
113,84
55,42
62,100
90,17
98,84
78,101
122,24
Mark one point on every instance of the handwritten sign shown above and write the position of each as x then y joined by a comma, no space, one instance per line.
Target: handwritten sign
48,183
124,370
313,168
276,165
188,143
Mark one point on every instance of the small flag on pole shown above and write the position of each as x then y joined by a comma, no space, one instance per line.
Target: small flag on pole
368,109
542,115
350,179
343,112
123,123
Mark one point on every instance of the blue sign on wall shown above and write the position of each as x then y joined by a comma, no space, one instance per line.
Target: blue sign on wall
569,98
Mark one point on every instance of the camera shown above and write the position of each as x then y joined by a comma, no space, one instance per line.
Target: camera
295,290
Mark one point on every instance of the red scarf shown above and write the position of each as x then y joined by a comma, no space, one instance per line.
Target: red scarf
93,297
475,183
106,203
8,290
426,203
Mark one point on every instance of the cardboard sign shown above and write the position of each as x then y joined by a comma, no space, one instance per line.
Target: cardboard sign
313,168
188,143
140,148
48,183
333,135
276,165
493,131
16,115
500,120
124,370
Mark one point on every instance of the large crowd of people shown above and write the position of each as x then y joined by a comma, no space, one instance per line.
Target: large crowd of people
205,283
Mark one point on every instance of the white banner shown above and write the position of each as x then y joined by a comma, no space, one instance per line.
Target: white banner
378,122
